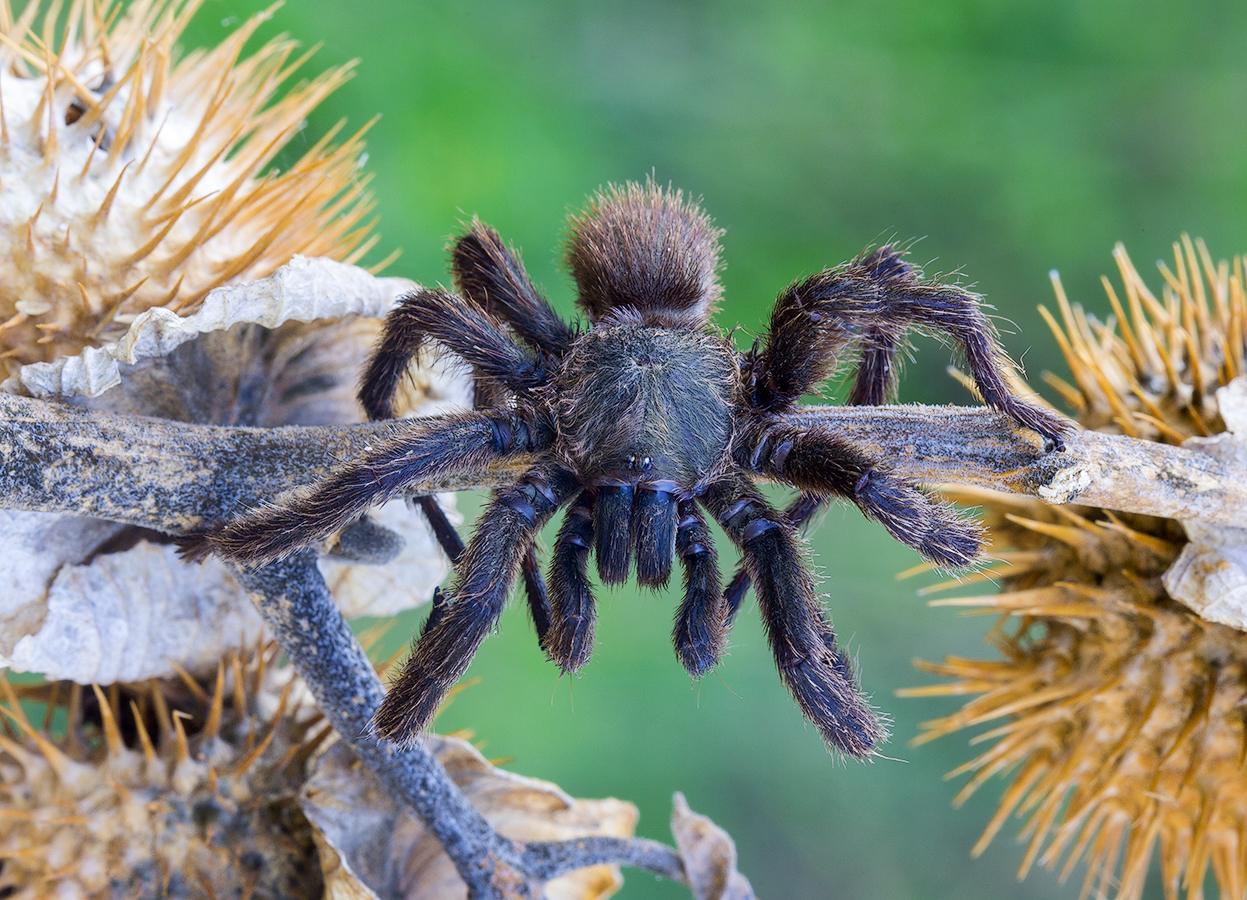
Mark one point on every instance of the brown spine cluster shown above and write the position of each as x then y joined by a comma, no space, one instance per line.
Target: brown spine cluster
1116,715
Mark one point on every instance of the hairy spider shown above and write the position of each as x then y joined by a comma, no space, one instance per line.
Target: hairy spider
640,424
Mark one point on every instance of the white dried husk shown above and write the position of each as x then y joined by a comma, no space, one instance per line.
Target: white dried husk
1210,574
100,602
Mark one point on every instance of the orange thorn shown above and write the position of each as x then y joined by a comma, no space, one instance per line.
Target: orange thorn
102,213
213,726
112,735
149,751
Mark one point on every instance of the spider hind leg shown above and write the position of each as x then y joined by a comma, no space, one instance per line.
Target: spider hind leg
816,672
872,301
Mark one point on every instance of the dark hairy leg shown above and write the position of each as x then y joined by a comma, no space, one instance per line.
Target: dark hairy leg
822,463
701,622
816,672
470,609
569,641
491,275
420,448
463,328
878,295
796,516
874,385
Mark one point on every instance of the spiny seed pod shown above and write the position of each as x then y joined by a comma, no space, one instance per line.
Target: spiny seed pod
131,177
162,789
1117,713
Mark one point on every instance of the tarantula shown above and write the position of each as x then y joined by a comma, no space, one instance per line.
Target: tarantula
638,425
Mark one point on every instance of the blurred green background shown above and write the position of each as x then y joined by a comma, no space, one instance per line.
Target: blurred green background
1010,137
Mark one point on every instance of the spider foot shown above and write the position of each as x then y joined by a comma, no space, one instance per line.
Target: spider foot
569,644
1048,425
914,519
825,690
699,640
194,547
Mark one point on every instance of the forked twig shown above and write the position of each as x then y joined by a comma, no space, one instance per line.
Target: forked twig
296,604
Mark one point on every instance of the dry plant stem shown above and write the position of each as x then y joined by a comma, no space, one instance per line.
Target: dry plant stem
292,597
175,477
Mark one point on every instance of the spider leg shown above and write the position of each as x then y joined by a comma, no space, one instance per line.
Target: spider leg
491,275
701,623
452,545
437,447
874,384
569,642
796,516
475,601
876,373
654,524
818,461
878,295
535,592
816,672
463,328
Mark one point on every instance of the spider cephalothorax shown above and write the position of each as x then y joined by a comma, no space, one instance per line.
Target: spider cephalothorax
639,424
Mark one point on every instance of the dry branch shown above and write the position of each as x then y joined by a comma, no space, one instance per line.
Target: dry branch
176,477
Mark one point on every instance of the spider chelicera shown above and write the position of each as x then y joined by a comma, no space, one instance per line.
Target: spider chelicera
640,425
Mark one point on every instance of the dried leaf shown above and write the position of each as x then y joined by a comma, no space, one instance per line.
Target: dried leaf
709,855
381,850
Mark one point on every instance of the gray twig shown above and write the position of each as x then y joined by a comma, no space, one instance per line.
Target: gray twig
292,597
177,477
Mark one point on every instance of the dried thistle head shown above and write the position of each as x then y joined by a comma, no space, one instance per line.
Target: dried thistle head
175,789
236,786
133,176
145,268
1117,714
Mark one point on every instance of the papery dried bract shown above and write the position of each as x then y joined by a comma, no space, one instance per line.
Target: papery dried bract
381,849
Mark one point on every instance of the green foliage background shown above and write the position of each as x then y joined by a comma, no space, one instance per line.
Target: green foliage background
1011,136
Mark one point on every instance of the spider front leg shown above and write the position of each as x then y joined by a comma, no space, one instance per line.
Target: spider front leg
419,449
816,672
470,609
796,516
819,462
